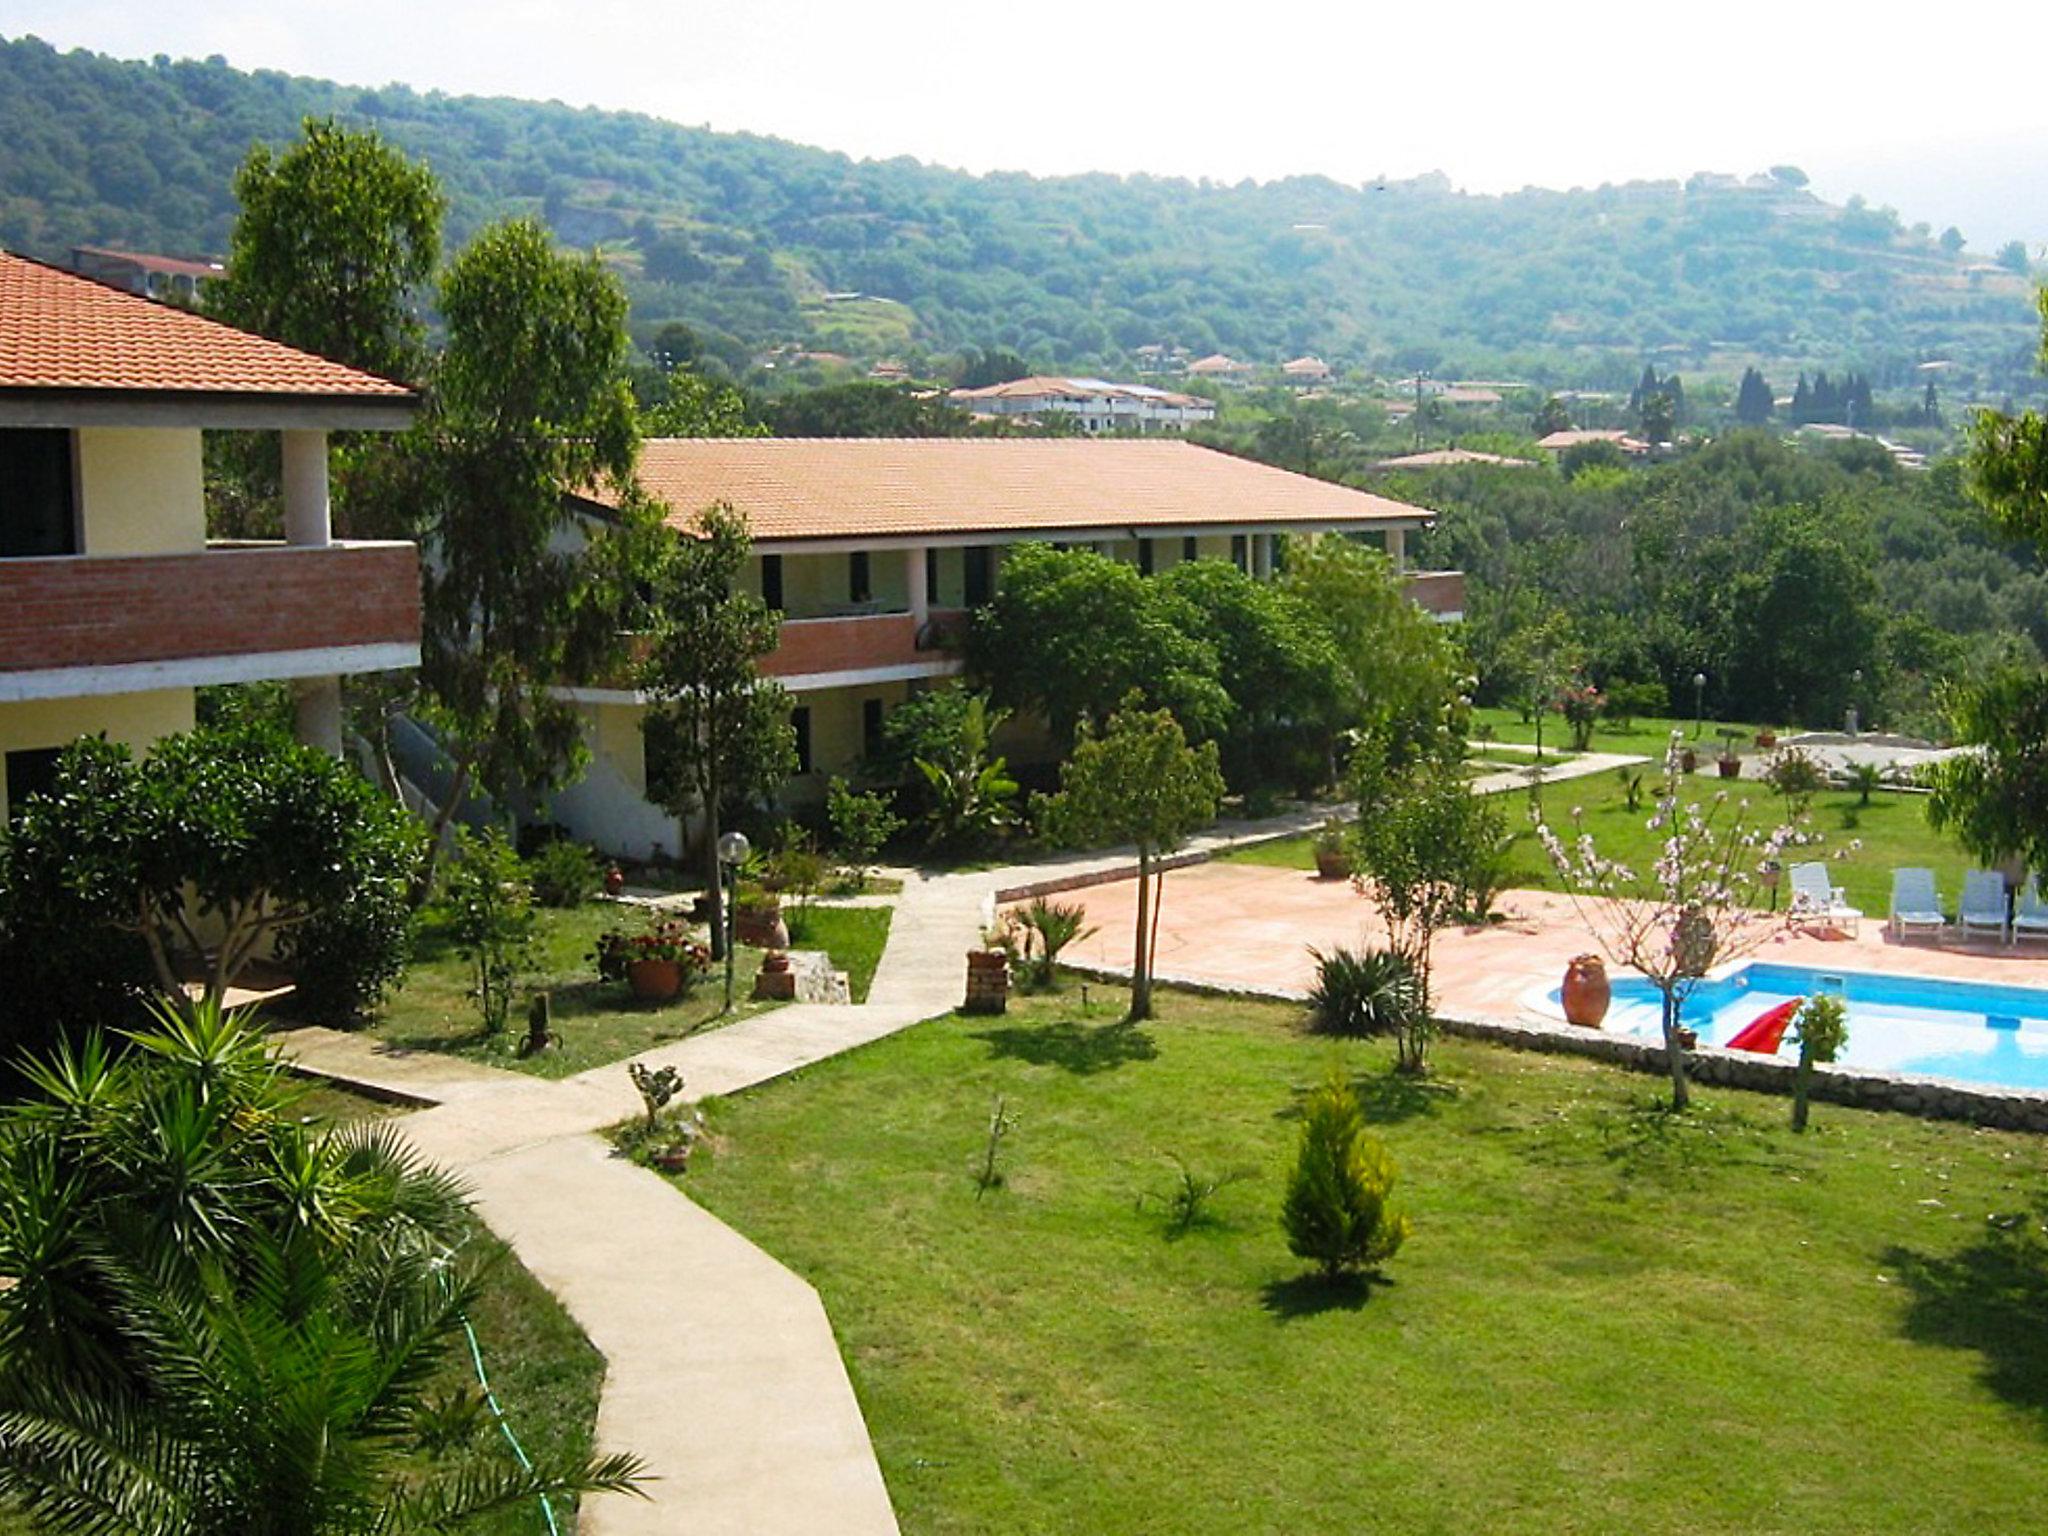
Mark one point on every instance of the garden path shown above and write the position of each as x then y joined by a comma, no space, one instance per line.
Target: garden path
1584,765
722,1371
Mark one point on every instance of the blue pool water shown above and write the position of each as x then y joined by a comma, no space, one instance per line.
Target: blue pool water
1973,1032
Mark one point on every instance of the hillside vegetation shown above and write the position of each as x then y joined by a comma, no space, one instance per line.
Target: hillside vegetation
744,238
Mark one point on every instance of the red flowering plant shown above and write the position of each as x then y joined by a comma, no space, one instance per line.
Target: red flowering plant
662,939
1581,704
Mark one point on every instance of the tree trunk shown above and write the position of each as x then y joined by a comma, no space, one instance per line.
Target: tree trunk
458,790
714,873
1681,1094
1800,1085
1158,903
1141,968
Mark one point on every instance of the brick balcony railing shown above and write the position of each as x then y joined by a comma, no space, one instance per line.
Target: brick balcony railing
1437,592
858,643
114,610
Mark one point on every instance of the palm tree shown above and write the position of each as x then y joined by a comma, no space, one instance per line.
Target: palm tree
223,1319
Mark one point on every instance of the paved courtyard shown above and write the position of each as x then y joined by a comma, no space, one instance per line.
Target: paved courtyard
1247,925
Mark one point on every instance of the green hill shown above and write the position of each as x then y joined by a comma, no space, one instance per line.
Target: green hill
746,236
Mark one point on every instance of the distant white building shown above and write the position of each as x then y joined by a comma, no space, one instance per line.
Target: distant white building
1097,404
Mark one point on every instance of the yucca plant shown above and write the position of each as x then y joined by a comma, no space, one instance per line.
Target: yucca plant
1052,926
1366,992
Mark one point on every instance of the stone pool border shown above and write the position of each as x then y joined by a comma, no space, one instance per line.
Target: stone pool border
1936,1098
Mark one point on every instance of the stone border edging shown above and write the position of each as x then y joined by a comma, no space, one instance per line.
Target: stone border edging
1935,1098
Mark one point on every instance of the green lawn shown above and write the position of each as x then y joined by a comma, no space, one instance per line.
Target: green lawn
1892,829
1647,736
1601,1323
853,936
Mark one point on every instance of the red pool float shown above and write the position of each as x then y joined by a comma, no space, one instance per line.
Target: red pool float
1767,1029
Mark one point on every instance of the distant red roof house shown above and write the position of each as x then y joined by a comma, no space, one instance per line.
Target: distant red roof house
144,273
1439,458
1306,370
1465,394
1557,442
1216,365
1098,405
70,338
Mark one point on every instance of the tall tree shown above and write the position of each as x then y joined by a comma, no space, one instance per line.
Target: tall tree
1753,402
719,734
529,402
336,236
1552,417
1139,782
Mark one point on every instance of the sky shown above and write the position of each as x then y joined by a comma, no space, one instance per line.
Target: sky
1940,113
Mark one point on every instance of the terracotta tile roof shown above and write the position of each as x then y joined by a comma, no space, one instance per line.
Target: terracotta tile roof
1439,457
1557,442
62,332
839,488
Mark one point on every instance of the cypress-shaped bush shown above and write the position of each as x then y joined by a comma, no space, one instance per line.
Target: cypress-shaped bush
1336,1211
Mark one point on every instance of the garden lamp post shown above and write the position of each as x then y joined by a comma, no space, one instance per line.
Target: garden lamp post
733,849
1699,701
1855,695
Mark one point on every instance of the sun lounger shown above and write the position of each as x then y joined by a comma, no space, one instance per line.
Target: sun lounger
1818,903
2030,915
1916,905
1982,909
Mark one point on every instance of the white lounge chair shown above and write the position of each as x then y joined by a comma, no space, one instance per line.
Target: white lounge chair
1818,902
2030,913
1982,909
1916,905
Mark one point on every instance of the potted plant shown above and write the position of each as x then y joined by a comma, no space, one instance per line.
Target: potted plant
1333,850
1729,764
614,880
659,964
757,917
1766,738
1586,993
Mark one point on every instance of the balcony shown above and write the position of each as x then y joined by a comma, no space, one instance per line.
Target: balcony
889,643
111,623
1441,593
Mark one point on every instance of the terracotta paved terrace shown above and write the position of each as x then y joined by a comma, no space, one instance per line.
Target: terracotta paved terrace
1250,926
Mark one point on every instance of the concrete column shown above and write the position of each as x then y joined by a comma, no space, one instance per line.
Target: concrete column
306,518
1397,547
318,711
1262,555
914,578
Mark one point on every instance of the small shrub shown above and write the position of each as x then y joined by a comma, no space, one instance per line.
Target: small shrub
344,961
1185,1203
492,910
1336,1212
1796,775
989,1174
1822,1028
1049,927
1625,701
795,871
1370,992
564,874
861,823
1864,778
1581,704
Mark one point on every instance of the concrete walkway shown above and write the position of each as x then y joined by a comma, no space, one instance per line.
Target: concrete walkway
1584,765
722,1373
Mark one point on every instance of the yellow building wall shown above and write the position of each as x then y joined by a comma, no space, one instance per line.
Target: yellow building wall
142,490
837,735
133,719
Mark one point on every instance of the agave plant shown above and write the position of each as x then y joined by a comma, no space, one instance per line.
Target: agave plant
223,1319
1052,925
1368,992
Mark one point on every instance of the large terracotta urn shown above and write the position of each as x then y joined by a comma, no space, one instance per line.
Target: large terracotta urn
654,981
1586,992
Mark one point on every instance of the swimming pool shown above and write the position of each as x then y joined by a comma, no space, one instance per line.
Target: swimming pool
1972,1032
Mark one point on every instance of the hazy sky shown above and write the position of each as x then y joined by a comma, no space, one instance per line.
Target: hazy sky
1938,110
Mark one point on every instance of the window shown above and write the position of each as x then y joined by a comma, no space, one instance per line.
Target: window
1241,551
871,727
860,584
1188,549
38,515
1144,557
931,576
32,772
800,723
771,581
980,561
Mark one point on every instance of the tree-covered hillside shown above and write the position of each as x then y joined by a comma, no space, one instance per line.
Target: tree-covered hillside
745,238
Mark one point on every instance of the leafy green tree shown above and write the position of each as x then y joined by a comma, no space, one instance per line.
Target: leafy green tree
866,410
2013,257
1138,782
1822,1029
994,365
1399,675
1551,417
335,237
518,598
694,406
491,920
1337,1210
1278,661
1659,417
200,855
1995,800
1753,400
1069,633
967,789
1425,849
718,734
1952,241
224,1319
2009,462
861,822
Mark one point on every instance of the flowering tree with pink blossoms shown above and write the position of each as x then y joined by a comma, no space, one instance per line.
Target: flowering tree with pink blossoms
1693,909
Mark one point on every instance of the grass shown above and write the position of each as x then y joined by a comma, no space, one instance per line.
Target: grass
853,936
1605,1320
324,1103
1647,737
596,1022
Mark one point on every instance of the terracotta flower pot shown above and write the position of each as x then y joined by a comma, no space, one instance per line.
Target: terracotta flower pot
1688,760
1586,991
762,927
655,981
1765,740
774,962
1333,865
614,880
1731,767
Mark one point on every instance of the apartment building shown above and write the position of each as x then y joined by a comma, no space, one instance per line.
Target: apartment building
1095,405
